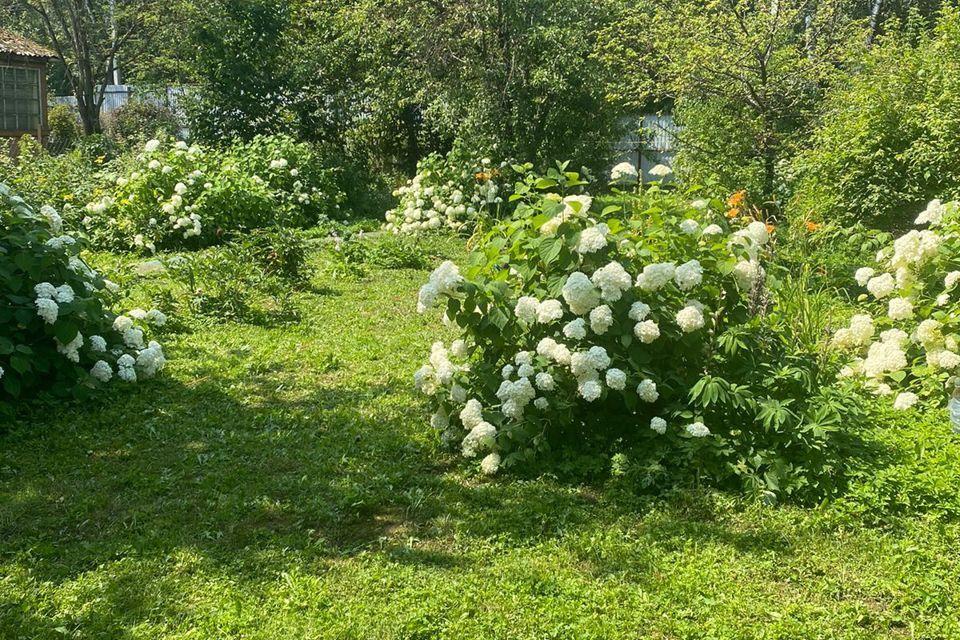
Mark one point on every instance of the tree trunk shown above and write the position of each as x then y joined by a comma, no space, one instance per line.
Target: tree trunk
89,115
874,21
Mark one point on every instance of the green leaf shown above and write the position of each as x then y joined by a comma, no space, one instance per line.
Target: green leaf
65,331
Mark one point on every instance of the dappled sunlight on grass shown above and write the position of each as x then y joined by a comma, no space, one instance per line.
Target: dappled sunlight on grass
282,481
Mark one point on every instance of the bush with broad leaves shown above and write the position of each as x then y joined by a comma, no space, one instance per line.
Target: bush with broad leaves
172,194
643,330
57,333
905,338
449,192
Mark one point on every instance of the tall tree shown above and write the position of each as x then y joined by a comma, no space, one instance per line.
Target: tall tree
88,36
744,76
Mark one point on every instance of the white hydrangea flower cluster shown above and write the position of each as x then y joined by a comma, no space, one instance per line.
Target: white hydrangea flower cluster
178,193
574,206
624,172
179,217
748,243
550,345
902,342
442,195
444,280
78,301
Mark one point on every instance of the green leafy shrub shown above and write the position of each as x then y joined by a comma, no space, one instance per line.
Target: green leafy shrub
65,129
179,195
251,280
280,253
57,333
98,148
828,250
449,192
136,122
906,334
641,330
302,184
65,181
889,137
384,251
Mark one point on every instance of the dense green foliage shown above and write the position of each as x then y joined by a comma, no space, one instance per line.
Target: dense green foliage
646,328
66,181
136,122
169,193
57,332
390,82
888,138
743,81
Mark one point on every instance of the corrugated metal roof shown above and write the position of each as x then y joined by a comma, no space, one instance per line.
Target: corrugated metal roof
14,44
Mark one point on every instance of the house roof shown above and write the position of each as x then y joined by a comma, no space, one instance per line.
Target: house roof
13,44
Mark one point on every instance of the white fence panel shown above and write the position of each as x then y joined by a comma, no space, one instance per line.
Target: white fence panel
649,141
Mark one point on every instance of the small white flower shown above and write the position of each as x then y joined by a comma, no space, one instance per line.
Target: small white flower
580,294
647,390
616,379
601,319
655,276
863,275
47,309
698,430
661,171
647,331
480,435
638,311
156,318
575,329
45,290
951,279
526,309
591,390
101,371
490,464
122,323
472,414
612,280
900,309
688,275
544,381
881,286
659,425
549,311
689,319
593,239
905,400
624,171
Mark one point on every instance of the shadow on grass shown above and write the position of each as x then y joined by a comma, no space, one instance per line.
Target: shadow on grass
246,478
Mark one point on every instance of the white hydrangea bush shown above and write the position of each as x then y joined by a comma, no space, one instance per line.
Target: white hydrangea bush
578,320
904,342
177,195
448,192
57,334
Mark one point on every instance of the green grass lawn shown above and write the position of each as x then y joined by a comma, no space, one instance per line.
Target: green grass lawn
282,482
